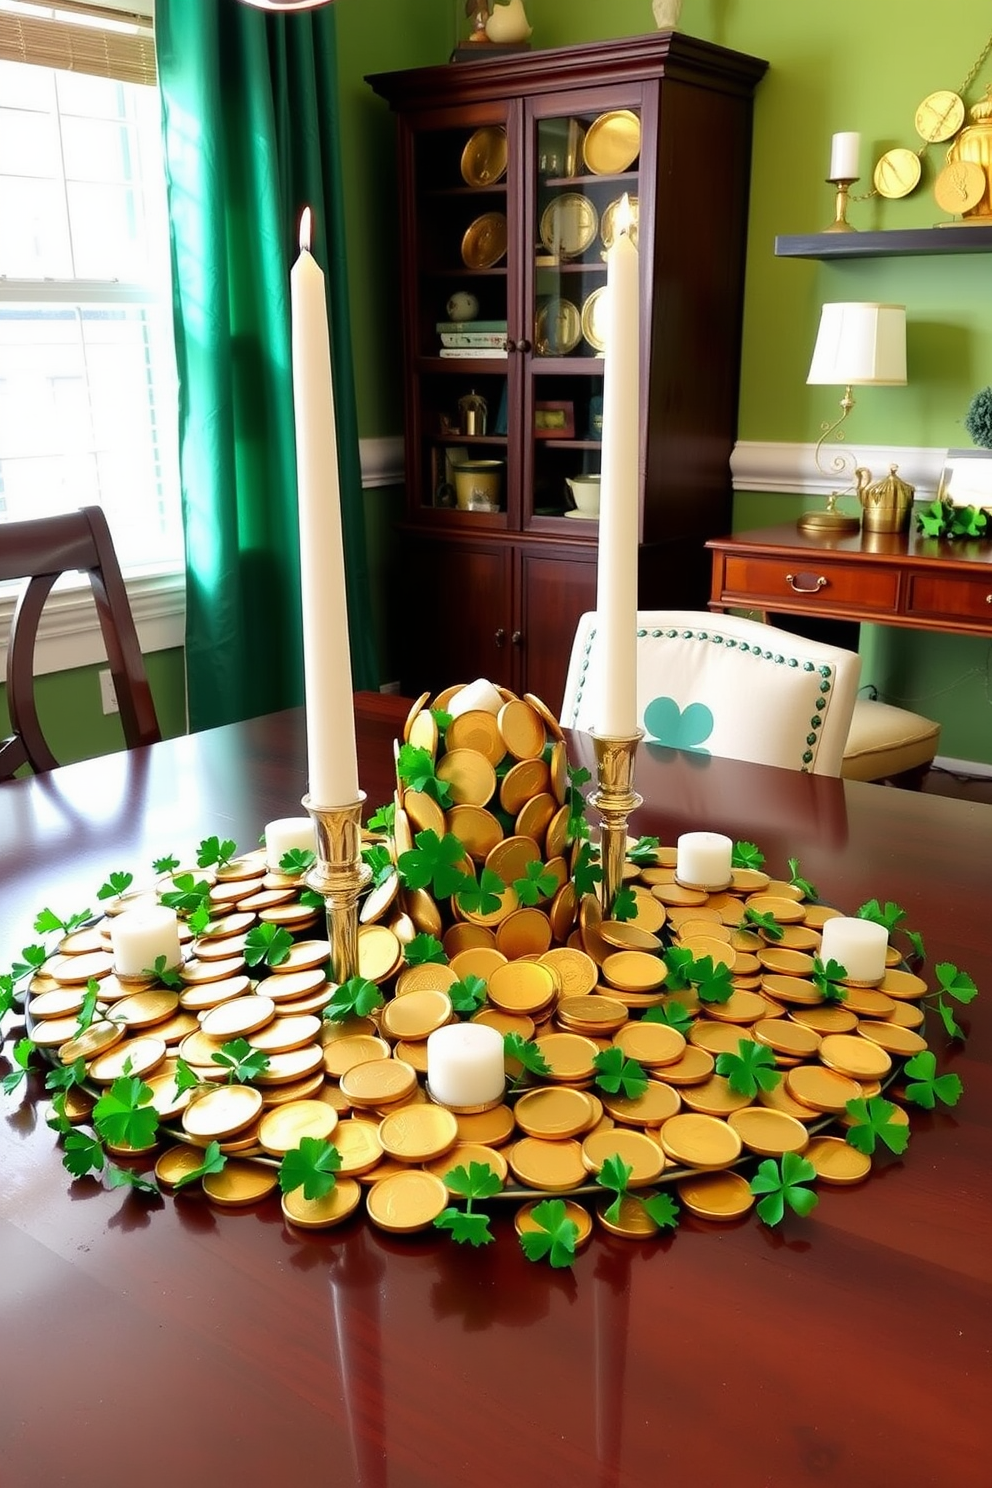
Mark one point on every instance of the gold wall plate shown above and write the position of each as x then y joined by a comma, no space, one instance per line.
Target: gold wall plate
897,173
568,225
959,187
612,142
484,156
484,242
939,116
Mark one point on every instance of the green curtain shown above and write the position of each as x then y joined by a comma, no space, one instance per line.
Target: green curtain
251,137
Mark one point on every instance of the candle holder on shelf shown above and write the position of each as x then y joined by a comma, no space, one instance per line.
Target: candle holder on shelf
842,185
339,876
614,798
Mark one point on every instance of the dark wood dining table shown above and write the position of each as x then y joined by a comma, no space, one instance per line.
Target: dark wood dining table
165,1341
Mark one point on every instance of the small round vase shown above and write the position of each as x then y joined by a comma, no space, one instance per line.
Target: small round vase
508,23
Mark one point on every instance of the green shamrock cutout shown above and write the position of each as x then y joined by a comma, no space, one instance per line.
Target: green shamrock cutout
678,728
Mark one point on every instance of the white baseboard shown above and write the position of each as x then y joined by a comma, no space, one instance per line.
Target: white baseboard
791,469
963,767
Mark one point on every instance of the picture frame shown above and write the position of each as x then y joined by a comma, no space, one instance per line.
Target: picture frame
966,479
554,420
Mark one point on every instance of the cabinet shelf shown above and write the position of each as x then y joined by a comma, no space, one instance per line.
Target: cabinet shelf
900,242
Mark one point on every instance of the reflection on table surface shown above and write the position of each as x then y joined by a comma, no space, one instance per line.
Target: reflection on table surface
183,1343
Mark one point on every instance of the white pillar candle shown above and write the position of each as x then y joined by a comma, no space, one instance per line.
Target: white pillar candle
465,1064
331,749
285,834
858,945
478,697
139,936
844,151
703,859
616,597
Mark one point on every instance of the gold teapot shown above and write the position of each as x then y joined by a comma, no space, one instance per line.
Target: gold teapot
886,504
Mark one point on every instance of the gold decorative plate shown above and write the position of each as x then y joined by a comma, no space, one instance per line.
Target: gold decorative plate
612,142
593,319
484,156
608,222
569,224
557,328
484,243
960,186
897,173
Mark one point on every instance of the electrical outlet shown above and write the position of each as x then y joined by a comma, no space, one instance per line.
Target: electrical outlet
108,693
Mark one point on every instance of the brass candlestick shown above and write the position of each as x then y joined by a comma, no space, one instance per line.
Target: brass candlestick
843,186
614,798
339,875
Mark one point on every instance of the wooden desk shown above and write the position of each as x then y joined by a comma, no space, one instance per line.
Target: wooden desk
172,1342
885,578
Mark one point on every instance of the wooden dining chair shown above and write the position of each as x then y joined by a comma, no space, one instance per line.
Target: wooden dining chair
719,684
39,551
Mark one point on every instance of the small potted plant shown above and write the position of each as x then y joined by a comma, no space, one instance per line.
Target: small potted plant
978,419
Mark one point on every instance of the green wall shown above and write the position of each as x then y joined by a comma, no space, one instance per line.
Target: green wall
834,65
71,716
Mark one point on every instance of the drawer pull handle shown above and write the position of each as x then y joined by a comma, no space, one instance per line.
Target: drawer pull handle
819,582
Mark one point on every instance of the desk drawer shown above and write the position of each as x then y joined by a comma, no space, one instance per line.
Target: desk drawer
818,585
951,597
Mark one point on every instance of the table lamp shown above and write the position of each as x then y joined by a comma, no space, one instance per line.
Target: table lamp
858,344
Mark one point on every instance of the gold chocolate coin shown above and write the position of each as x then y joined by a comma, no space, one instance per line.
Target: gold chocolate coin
900,984
633,1222
591,1014
343,1054
462,1155
525,932
676,896
906,1015
691,1068
650,1043
836,1161
868,1002
418,1134
145,1055
634,971
659,1103
290,1032
167,1099
535,816
700,1141
740,1007
829,1018
52,1033
322,1213
852,1055
522,729
767,1132
291,1065
240,1182
477,830
506,1022
716,1196
378,1082
577,975
779,1099
477,731
197,999
303,956
643,1156
379,952
569,1056
787,1037
67,970
220,1113
469,775
490,1128
193,973
553,1114
714,1097
173,1164
416,1015
791,990
510,857
238,1017
626,935
358,1146
892,1037
524,1222
786,961
424,812
522,987
718,1038
823,1089
552,1166
430,976
408,1201
61,1002
283,1127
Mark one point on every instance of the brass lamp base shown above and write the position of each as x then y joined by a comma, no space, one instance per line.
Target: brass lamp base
829,522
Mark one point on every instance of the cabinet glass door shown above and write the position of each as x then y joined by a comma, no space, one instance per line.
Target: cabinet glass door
586,167
465,178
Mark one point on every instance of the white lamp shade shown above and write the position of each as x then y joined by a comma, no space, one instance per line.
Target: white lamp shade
860,343
286,4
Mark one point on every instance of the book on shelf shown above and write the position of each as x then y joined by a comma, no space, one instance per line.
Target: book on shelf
490,353
471,327
474,338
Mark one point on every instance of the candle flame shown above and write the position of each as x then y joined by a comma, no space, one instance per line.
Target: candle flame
625,216
305,230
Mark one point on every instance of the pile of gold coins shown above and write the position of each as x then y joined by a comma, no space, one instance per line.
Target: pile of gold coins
556,973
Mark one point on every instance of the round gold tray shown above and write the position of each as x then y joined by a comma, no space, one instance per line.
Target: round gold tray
608,222
568,225
484,242
484,157
594,319
557,328
612,142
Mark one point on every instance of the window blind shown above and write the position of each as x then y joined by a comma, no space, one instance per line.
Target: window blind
78,37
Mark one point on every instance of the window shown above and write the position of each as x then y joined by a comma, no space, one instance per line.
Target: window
87,370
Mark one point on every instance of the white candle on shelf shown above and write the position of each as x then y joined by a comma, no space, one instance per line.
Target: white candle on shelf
616,597
139,936
465,1065
703,860
844,151
285,834
331,749
858,945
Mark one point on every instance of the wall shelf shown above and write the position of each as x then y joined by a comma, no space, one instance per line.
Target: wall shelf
912,241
